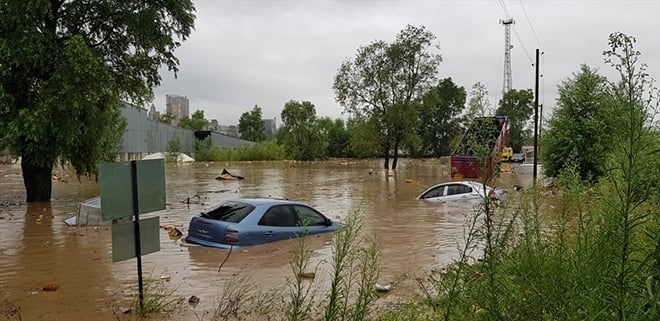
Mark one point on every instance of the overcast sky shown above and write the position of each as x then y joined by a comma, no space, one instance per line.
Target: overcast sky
246,53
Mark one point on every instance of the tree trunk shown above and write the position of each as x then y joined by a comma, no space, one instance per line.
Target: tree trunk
386,154
38,181
395,158
386,165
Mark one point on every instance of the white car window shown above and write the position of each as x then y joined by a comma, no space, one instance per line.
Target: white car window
435,192
455,189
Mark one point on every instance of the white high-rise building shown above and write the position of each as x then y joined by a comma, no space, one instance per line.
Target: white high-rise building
179,106
271,127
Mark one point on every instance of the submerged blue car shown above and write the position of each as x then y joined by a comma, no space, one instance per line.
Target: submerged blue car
252,221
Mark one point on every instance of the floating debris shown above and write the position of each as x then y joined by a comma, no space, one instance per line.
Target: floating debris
226,175
195,199
173,232
51,287
382,288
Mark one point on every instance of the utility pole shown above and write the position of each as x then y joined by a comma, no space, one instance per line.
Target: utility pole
536,117
540,122
506,86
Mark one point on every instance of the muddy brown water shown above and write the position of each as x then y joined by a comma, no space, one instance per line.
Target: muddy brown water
37,248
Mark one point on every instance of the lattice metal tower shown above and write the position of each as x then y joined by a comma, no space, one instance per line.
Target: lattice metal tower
507,54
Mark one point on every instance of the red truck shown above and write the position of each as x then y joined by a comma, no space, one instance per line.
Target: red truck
487,132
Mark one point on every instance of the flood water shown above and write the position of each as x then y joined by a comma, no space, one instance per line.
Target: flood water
37,248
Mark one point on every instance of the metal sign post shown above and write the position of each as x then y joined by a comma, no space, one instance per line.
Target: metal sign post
146,194
136,214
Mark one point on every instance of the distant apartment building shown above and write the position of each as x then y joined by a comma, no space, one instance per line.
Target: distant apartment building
213,125
153,113
271,127
231,130
179,106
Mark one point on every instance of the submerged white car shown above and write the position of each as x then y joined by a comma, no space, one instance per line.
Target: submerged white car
459,191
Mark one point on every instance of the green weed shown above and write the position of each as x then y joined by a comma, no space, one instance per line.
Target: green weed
159,297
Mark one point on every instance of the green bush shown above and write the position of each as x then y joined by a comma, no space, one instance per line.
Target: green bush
173,150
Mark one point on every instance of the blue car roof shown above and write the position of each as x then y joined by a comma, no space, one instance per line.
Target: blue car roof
262,201
256,202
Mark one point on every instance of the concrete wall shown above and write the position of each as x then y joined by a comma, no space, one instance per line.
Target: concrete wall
225,141
145,136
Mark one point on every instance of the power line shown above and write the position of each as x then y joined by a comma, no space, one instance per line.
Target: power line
506,12
530,24
529,57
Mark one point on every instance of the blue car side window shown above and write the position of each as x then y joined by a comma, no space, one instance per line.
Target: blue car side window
309,216
280,215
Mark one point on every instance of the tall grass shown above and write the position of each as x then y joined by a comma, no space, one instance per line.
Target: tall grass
355,269
629,219
159,298
301,293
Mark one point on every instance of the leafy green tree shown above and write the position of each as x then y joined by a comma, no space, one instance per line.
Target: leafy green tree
478,105
251,125
364,137
167,118
578,132
384,83
196,122
517,105
337,136
403,119
299,132
439,122
65,66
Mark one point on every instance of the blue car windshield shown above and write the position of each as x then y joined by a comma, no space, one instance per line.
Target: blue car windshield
229,212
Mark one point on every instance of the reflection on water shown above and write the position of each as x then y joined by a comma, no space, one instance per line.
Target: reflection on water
37,248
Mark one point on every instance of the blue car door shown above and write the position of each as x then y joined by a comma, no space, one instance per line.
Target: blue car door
279,222
311,221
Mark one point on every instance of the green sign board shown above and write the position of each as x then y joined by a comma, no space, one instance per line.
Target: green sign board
116,184
123,239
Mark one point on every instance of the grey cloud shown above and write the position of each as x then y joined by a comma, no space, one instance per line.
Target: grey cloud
244,53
